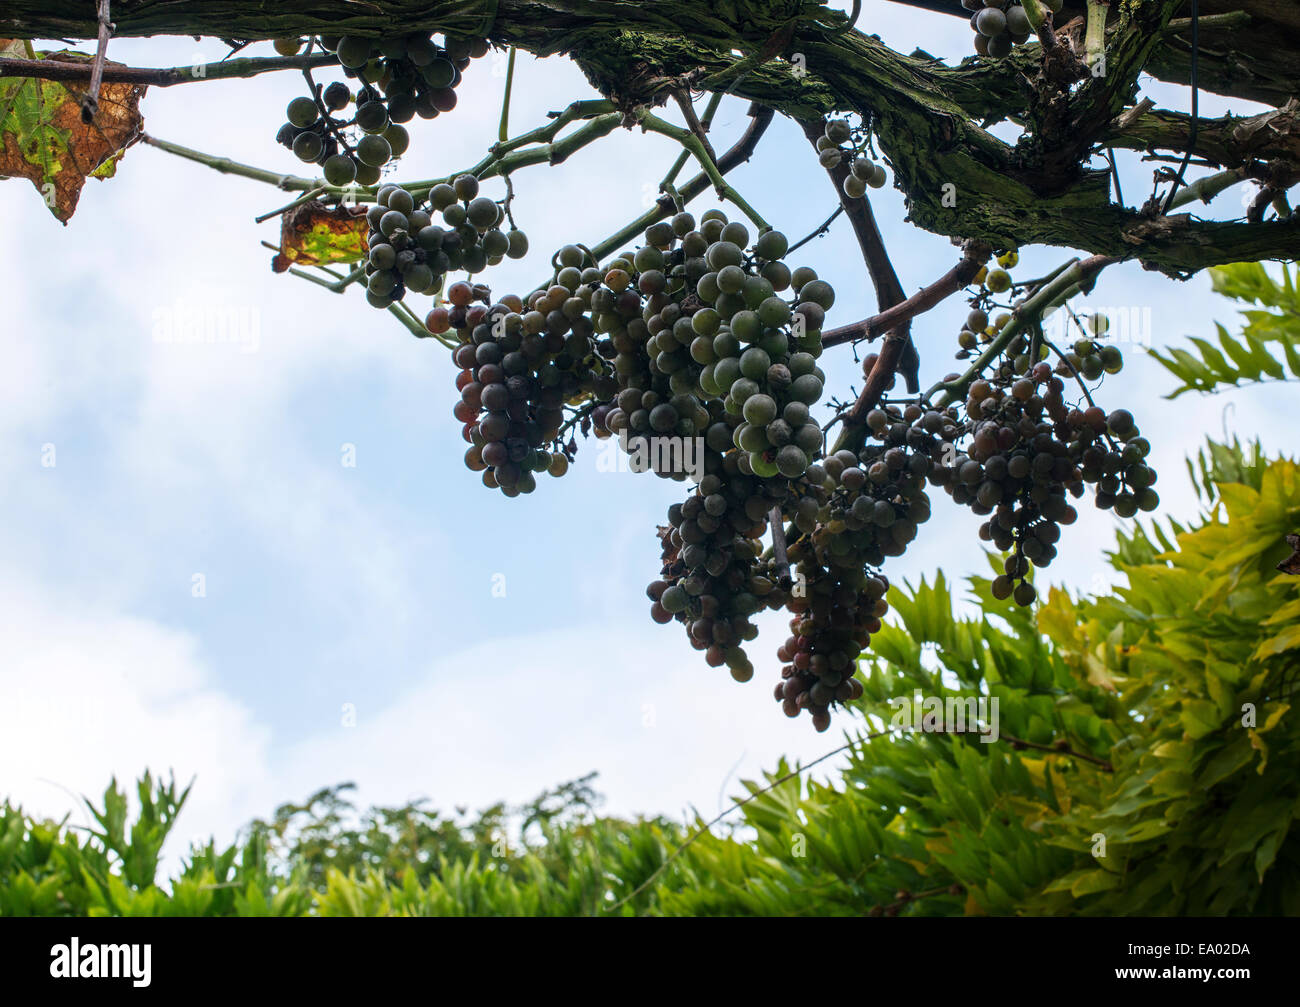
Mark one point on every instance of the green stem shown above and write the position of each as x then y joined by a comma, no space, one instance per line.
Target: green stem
337,285
411,322
1071,277
692,143
504,131
306,197
492,164
1206,188
1095,39
226,166
705,122
1034,11
495,164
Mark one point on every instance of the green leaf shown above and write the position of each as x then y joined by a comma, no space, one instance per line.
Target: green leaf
1093,882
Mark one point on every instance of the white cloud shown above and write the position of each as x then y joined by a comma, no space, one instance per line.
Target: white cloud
94,693
510,717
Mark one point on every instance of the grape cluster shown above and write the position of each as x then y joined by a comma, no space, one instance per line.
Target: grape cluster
714,579
408,251
518,367
869,506
401,76
979,327
839,143
1001,24
711,329
1028,451
1090,357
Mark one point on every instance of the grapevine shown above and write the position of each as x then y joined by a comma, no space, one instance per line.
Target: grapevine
690,342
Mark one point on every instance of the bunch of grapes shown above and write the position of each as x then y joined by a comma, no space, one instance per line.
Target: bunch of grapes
401,76
691,319
1090,357
868,507
642,312
1001,24
1028,450
839,143
519,367
759,351
408,251
979,327
713,579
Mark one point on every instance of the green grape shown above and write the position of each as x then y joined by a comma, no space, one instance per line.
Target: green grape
308,146
465,187
518,244
399,140
302,112
339,170
374,150
367,174
482,212
372,117
400,200
353,52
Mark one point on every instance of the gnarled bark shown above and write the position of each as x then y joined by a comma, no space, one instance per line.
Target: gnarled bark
959,179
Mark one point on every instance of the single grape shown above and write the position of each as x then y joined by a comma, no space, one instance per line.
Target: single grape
302,112
340,170
308,146
374,150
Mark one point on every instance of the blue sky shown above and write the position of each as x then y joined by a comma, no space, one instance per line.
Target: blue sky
371,586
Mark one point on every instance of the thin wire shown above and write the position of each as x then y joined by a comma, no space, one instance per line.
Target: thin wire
1114,171
1191,138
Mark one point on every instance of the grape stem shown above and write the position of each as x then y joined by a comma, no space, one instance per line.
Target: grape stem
325,114
230,167
692,143
760,118
493,164
503,131
306,197
779,546
705,122
1073,371
146,76
922,301
1073,277
1094,44
889,289
693,123
823,228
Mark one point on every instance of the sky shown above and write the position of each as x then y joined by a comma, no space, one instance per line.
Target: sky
200,584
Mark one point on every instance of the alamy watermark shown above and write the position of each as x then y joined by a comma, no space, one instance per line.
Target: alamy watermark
663,454
190,323
1124,324
75,960
946,715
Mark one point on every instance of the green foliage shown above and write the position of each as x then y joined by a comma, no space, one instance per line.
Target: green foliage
1145,762
1248,358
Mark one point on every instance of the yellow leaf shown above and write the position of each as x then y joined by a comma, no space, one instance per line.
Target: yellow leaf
1288,639
1261,746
